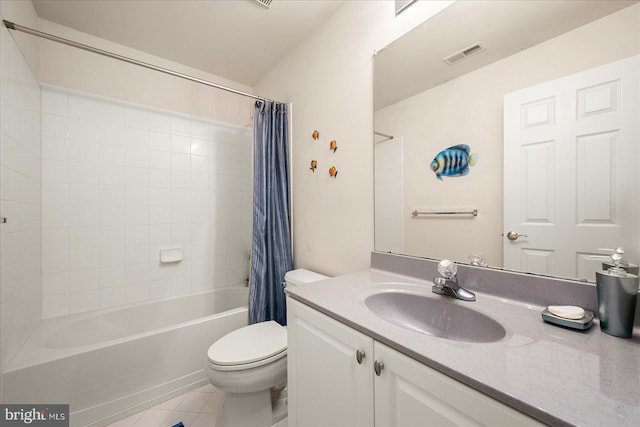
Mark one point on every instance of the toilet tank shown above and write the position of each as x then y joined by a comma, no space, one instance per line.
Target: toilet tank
302,277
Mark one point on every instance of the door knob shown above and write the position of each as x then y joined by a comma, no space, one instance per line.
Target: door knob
512,235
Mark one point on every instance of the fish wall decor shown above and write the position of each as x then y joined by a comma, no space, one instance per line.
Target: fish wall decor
315,135
454,161
333,145
333,172
314,165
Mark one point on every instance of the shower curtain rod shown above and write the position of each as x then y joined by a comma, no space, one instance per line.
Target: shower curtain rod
387,137
13,26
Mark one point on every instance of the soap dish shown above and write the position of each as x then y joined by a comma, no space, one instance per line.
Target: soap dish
582,324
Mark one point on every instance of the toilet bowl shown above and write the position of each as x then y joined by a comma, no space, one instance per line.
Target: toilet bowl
250,365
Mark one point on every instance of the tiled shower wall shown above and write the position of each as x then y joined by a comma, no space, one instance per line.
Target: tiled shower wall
121,181
20,238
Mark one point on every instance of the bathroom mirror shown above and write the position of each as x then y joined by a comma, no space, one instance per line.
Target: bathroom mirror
497,52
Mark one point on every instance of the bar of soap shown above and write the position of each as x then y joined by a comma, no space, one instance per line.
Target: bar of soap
566,311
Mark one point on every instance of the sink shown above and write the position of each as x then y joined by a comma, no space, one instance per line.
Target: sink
434,316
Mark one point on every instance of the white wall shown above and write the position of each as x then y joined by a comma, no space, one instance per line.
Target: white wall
120,181
20,237
469,110
72,68
329,80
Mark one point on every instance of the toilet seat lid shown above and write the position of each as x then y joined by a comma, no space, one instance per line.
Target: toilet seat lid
249,344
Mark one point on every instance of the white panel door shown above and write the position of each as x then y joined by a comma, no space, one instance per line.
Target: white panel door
410,394
571,161
327,385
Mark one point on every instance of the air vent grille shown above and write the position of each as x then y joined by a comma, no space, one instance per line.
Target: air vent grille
265,3
464,53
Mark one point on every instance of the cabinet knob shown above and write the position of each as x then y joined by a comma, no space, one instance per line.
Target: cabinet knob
378,367
359,356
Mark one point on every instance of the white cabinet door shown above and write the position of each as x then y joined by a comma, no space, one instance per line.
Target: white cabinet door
408,393
327,385
571,170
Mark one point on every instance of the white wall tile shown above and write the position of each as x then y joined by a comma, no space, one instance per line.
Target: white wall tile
180,126
55,305
110,134
159,141
137,273
180,144
136,138
180,162
54,102
110,112
80,302
84,280
137,292
112,276
159,160
180,178
199,130
159,178
82,130
83,237
112,235
112,256
55,126
55,283
84,108
55,261
55,148
158,122
55,171
81,258
136,117
120,182
113,296
55,238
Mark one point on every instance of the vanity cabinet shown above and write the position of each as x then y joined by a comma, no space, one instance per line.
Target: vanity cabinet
338,376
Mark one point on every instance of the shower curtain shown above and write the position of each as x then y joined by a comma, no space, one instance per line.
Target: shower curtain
271,246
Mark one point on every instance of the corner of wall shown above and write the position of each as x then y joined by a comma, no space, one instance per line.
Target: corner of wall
23,13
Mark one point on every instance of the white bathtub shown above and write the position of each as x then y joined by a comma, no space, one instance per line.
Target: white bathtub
111,363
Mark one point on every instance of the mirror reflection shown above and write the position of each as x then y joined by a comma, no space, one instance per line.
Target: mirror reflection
524,113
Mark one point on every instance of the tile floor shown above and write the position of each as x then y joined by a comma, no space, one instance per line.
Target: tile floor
196,408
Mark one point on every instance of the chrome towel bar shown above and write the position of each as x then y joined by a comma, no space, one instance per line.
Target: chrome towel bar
473,212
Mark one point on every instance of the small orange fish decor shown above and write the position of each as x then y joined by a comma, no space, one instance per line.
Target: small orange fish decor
333,145
315,135
314,165
333,171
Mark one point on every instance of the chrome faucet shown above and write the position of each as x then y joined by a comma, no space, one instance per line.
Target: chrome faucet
448,283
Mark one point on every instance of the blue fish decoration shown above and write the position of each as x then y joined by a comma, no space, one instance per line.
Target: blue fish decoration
454,161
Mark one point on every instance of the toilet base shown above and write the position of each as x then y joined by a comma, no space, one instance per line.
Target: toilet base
253,409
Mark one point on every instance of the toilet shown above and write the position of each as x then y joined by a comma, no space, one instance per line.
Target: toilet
250,365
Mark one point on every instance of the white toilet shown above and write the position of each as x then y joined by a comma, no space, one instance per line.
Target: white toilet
249,363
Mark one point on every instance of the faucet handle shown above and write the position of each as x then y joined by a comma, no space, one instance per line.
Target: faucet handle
447,268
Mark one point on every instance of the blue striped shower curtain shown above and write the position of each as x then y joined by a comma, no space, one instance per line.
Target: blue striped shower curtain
271,246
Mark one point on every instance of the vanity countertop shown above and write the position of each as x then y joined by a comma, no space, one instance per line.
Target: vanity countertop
556,375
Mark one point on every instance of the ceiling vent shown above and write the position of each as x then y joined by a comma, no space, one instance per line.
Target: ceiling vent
464,53
265,3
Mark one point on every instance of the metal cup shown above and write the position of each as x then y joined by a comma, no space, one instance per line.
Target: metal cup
617,298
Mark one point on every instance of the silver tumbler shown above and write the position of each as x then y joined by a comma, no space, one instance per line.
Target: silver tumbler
617,295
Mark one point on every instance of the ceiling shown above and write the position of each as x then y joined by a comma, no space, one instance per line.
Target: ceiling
240,40
414,63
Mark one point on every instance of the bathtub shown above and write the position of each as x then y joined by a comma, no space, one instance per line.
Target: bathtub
111,363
